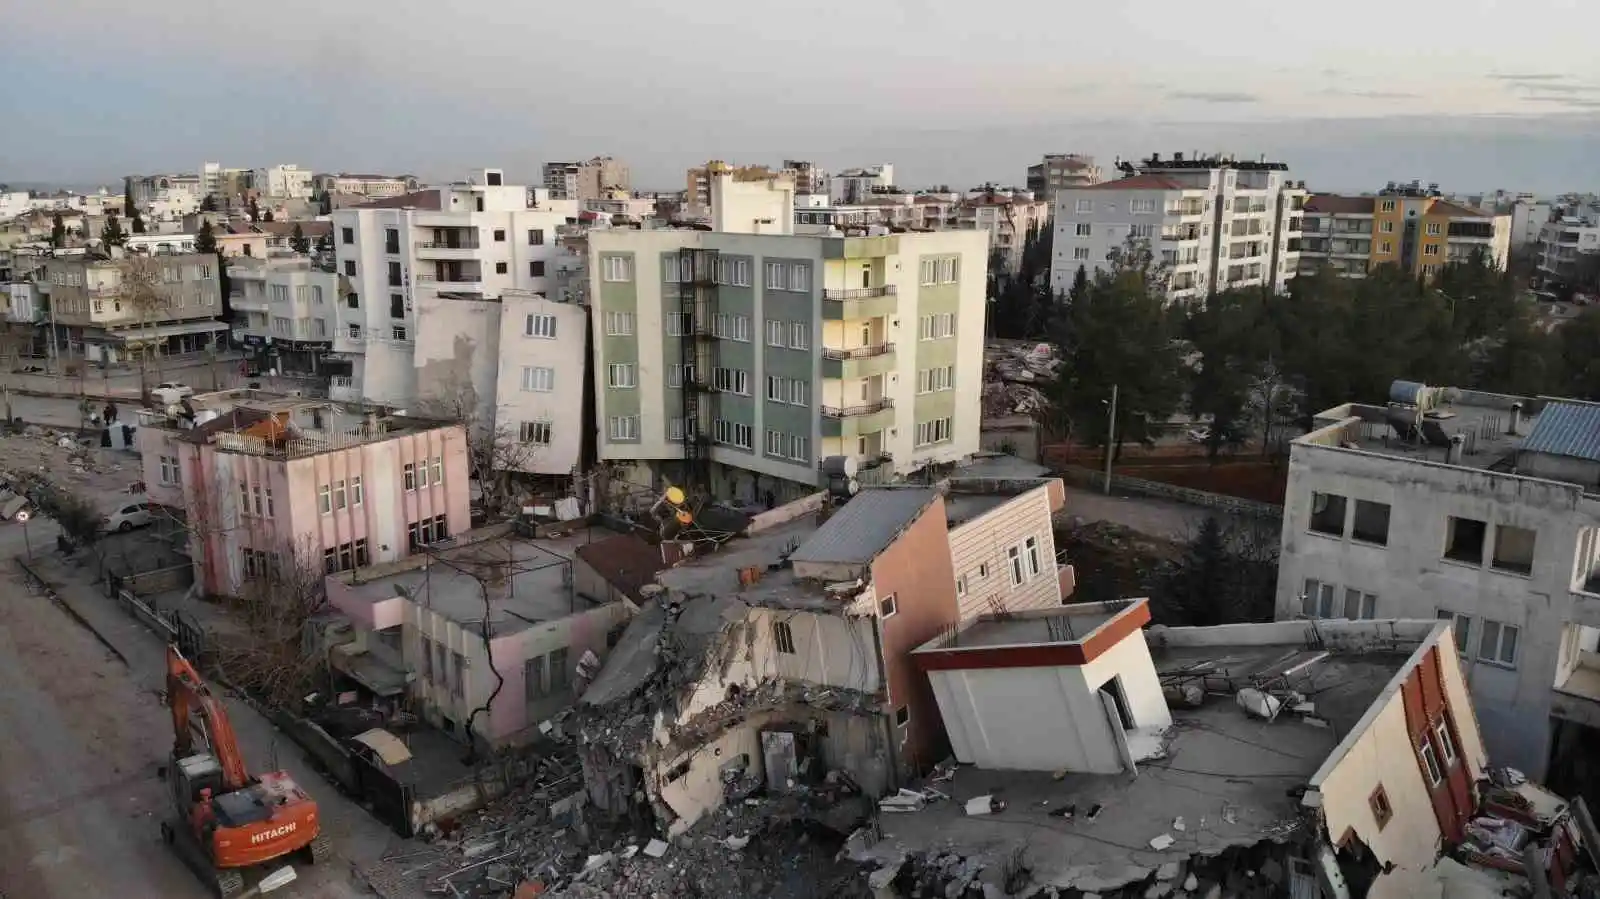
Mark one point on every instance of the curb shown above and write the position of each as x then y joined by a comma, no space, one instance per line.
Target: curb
50,591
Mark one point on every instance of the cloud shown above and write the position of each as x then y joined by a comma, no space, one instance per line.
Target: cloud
1213,96
1369,94
1543,88
1532,77
1564,100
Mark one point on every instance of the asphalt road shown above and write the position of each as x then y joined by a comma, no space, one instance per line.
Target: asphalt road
81,737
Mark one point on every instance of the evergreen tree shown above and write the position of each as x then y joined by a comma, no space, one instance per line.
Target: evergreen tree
58,231
112,234
325,243
298,240
128,207
266,216
208,203
1197,587
205,240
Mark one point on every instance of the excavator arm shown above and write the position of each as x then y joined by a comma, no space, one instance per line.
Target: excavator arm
187,693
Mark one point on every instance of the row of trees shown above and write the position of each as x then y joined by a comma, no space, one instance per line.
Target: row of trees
1244,359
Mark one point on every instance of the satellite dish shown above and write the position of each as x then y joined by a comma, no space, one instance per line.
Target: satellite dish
684,517
22,517
675,495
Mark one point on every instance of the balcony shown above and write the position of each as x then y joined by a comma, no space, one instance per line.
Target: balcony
460,283
860,362
852,421
344,389
860,302
461,249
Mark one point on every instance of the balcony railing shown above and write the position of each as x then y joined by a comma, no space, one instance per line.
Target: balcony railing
861,409
859,293
438,245
860,352
459,279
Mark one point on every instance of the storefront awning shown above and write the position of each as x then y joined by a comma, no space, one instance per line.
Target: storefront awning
159,332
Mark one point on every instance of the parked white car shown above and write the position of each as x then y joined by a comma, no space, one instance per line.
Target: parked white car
128,517
169,392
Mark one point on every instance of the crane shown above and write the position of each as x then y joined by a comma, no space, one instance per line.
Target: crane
227,821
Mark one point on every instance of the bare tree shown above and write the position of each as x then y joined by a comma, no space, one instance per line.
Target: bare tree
494,450
266,654
141,289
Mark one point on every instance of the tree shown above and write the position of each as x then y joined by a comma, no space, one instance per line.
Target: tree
494,451
298,240
141,289
266,656
254,209
112,234
325,244
1232,341
205,240
1577,348
208,203
58,231
138,222
1228,574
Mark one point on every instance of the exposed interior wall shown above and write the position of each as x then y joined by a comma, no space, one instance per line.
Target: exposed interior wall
1382,756
514,712
691,784
978,551
828,649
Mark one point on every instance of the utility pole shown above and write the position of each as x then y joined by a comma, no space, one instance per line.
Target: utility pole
1111,438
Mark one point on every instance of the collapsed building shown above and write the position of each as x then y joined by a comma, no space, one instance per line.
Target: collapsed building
780,659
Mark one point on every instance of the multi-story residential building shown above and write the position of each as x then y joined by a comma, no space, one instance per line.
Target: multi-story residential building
1008,217
1215,224
588,180
223,183
808,177
1472,507
737,362
374,187
542,382
1564,242
1059,170
105,309
425,280
266,482
282,182
856,185
146,188
1405,225
1528,218
285,312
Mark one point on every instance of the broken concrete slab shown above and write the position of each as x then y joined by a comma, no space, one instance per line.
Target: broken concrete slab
656,848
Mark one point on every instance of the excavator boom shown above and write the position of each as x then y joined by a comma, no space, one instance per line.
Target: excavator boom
187,693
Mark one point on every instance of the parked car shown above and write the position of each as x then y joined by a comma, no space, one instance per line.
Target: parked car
128,517
171,391
1200,434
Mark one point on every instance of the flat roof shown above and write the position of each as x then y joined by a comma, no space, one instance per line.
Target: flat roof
1483,420
715,571
866,526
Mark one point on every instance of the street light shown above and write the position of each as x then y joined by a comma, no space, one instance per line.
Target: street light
1111,438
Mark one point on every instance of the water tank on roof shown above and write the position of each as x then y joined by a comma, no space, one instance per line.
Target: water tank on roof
1409,393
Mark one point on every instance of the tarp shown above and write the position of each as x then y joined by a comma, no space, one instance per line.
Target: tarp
386,745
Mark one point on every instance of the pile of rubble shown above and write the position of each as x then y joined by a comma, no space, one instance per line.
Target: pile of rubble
1013,374
65,458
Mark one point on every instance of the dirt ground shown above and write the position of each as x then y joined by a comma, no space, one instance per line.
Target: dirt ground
1244,475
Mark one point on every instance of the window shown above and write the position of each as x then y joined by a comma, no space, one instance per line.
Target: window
928,272
1317,600
398,332
352,301
339,496
1463,628
937,326
735,272
170,472
1446,745
438,470
983,571
931,432
949,270
1084,206
777,276
1430,761
1463,540
732,380
1386,206
1327,514
350,267
501,268
1386,228
1014,556
394,274
732,433
678,375
961,585
616,268
933,380
1142,207
324,499
458,683
1084,229
1371,523
677,324
799,278
774,442
1497,643
619,375
799,336
408,477
775,334
540,326
355,491
537,432
538,379
1433,229
675,428
427,532
619,324
800,448
1358,605
783,637
397,305
536,268
1031,545
1513,549
730,326
1142,232
560,670
1385,247
902,716
1430,249
1379,803
1079,254
623,427
887,606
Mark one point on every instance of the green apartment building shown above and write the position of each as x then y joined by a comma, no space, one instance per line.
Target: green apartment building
740,361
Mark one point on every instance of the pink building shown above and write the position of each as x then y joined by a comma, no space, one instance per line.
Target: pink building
261,478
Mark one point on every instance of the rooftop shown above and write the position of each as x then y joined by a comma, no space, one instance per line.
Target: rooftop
865,527
531,580
231,420
1137,182
1419,421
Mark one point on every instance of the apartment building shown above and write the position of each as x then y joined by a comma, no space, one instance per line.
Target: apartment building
146,188
1563,244
268,482
1528,218
1216,223
1008,217
809,178
1061,170
1405,225
285,312
737,362
1476,508
856,185
282,182
589,180
373,187
109,309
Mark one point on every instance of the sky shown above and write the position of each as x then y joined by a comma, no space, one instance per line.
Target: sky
1473,94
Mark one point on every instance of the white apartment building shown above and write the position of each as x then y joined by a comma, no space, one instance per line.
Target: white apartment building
376,187
540,378
738,362
1215,223
1478,508
424,278
1528,218
282,182
285,312
1565,239
855,185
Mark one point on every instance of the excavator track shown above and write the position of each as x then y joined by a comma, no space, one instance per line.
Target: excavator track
228,884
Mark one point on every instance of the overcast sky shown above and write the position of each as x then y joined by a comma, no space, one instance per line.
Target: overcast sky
1473,94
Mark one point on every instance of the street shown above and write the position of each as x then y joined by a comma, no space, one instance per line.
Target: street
83,736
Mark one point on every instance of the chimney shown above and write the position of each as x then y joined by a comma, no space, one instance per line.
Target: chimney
1453,456
1516,418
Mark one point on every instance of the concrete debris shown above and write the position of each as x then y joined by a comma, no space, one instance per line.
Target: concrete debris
984,805
655,848
1178,825
1162,842
903,801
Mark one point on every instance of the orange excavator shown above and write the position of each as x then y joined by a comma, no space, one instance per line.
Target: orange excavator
228,821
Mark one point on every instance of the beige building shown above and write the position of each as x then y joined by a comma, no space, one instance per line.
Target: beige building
1404,225
588,180
105,309
1059,170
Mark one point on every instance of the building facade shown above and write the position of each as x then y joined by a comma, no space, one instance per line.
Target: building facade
111,309
1061,170
591,179
373,187
737,362
1567,246
1214,223
1407,226
1475,508
282,182
285,312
